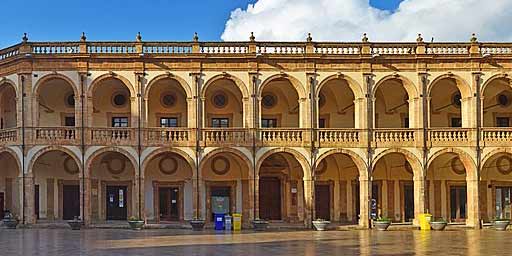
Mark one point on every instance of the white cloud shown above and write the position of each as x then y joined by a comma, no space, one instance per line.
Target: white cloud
347,20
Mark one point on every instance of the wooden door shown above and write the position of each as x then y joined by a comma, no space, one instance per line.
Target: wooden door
458,203
270,198
116,200
408,202
169,204
70,201
323,201
36,201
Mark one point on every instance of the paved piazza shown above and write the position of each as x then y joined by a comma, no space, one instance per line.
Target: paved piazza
185,242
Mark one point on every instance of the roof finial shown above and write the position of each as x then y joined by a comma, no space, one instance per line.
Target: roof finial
139,37
309,39
252,38
24,38
196,37
365,38
474,39
419,39
83,37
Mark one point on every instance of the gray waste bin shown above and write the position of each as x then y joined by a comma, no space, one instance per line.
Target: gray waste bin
228,222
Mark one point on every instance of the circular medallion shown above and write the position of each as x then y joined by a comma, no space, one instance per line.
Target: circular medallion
219,99
504,165
321,100
220,165
70,165
503,100
119,100
115,164
321,168
168,99
269,100
457,166
168,165
70,100
457,99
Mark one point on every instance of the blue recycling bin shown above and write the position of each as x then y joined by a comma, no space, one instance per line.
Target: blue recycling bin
219,221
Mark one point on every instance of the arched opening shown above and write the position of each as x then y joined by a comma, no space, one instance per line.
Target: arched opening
113,187
392,105
497,103
223,105
446,104
337,189
225,179
56,103
336,105
9,185
281,188
111,104
57,186
393,188
8,113
446,190
167,104
168,188
496,187
279,105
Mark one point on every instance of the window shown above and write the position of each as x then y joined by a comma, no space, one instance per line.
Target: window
268,122
321,123
69,121
456,122
168,122
119,121
502,122
220,122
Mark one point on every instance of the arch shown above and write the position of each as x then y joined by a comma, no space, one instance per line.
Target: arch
494,78
9,82
159,151
353,85
14,155
298,156
358,161
122,79
408,85
299,88
55,76
467,161
233,151
462,85
100,151
237,81
495,152
184,85
409,156
47,149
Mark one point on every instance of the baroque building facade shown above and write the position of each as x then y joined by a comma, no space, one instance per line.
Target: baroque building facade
283,131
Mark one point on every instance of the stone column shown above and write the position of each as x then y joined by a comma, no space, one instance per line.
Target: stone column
364,196
85,200
419,198
473,210
142,197
30,215
309,201
137,194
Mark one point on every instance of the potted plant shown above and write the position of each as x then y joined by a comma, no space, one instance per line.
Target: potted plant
75,223
501,224
382,223
438,224
259,225
197,224
10,221
321,224
135,223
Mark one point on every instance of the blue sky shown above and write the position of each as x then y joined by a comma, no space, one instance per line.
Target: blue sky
64,20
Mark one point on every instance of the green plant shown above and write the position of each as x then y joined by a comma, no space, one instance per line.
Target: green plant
319,219
501,219
134,218
383,219
440,219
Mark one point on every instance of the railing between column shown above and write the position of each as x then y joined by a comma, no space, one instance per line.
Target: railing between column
113,136
225,136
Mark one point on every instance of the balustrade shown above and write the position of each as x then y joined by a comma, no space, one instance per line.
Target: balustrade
449,136
225,136
224,48
395,49
56,135
117,136
110,48
283,137
497,136
339,137
448,48
55,48
8,136
167,48
9,52
281,48
337,49
395,137
168,136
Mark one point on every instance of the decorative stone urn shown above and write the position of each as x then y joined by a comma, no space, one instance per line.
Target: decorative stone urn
135,223
259,225
75,224
501,224
438,225
320,224
382,224
197,224
10,221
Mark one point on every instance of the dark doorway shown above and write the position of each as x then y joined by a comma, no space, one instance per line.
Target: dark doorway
169,204
2,205
270,198
458,203
117,199
220,200
70,201
408,202
36,200
375,207
323,201
356,197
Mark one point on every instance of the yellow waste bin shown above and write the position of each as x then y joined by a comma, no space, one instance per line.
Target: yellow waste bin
425,221
237,221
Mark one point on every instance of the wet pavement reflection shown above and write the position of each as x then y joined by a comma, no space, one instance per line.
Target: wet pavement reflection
185,242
